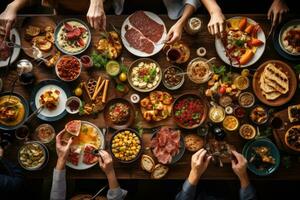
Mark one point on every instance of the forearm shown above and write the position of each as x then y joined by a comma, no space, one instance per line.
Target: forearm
211,6
187,13
97,3
244,181
16,5
112,180
60,164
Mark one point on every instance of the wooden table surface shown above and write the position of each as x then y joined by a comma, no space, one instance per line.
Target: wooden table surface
181,169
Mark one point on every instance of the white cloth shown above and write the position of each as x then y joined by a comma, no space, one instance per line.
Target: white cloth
174,7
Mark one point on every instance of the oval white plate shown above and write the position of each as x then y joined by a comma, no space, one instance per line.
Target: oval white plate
16,52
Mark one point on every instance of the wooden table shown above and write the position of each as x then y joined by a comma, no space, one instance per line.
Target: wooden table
181,169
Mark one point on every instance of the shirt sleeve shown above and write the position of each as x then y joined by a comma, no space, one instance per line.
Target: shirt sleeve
58,190
195,3
116,194
188,192
12,181
248,193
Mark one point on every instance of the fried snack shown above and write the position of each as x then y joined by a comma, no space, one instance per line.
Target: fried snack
33,31
42,43
110,45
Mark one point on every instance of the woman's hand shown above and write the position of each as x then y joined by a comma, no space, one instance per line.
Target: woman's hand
96,15
175,33
62,150
8,18
239,166
199,164
216,23
276,11
106,162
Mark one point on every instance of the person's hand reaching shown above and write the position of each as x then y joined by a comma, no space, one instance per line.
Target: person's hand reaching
62,150
174,33
96,15
106,162
7,19
216,23
199,163
276,11
239,166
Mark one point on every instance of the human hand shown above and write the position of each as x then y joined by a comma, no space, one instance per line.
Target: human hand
174,33
199,163
106,162
62,150
7,19
96,15
239,166
276,11
216,24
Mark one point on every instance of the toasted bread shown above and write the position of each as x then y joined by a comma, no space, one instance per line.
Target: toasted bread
293,113
73,127
159,171
276,78
147,163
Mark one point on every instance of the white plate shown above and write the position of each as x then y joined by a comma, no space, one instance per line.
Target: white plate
157,47
81,165
285,27
259,52
16,52
61,105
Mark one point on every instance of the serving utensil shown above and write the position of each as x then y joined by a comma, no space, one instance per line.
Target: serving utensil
271,31
36,112
99,192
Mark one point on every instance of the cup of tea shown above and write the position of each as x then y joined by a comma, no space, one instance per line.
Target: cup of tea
22,132
177,53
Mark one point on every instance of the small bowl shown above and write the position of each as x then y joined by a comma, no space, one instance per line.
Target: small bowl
83,60
71,99
78,73
249,126
43,126
175,87
263,122
204,78
246,105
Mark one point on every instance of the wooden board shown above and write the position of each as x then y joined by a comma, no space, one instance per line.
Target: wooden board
280,133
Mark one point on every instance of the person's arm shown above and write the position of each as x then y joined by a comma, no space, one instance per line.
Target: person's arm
14,180
276,11
58,189
106,164
199,164
8,16
96,15
216,24
175,31
239,166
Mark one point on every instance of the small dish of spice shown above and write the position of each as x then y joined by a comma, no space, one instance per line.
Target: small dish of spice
247,131
86,61
173,78
246,99
73,105
44,133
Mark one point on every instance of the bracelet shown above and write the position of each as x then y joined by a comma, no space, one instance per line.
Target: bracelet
201,51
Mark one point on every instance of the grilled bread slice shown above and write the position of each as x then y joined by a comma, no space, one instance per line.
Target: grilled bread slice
277,79
159,171
147,163
294,113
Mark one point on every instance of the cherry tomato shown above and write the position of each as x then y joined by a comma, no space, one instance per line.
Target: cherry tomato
222,90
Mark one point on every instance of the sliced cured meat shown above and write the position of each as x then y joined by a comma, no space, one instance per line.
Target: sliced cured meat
138,41
88,157
73,127
148,27
166,144
74,155
4,50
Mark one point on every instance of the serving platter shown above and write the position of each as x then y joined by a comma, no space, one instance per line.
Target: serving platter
46,114
283,99
16,51
42,22
259,51
157,46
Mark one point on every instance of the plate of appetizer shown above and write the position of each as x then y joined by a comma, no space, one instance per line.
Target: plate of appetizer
286,39
68,68
157,106
50,96
119,113
126,145
167,145
33,156
14,109
109,44
189,111
37,35
72,36
144,75
274,83
87,139
243,42
143,33
5,49
262,155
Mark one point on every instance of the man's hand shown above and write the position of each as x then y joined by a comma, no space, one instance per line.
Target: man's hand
276,11
239,166
96,15
199,164
216,23
62,150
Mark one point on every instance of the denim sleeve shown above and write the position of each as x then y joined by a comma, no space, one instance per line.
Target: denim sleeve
12,181
248,193
58,190
195,3
116,194
188,192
